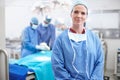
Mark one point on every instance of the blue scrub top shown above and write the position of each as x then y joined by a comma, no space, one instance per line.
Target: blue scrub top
47,34
78,61
29,41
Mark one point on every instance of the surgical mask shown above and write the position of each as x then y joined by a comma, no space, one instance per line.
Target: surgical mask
77,37
58,29
34,26
45,25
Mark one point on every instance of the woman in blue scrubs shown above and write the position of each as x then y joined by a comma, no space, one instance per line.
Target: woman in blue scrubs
77,52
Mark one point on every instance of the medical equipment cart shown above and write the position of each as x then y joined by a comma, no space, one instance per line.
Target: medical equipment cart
118,65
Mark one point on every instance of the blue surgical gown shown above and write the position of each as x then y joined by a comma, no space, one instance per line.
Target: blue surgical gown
47,34
82,60
29,41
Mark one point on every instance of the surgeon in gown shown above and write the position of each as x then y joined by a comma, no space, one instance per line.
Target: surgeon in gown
77,53
46,32
29,38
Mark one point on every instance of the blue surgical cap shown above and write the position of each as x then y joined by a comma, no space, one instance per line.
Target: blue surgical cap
48,19
34,20
77,2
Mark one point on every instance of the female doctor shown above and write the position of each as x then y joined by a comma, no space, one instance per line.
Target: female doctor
77,52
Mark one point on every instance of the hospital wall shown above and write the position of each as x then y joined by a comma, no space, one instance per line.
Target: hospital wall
3,70
21,15
2,24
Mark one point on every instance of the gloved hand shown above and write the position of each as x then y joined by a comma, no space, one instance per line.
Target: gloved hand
43,46
38,47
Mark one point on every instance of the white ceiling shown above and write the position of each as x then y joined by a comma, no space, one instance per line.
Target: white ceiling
92,4
19,3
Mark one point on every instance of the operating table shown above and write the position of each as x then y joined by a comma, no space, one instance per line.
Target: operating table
34,67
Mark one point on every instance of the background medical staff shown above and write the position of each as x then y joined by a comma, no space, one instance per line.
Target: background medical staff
60,26
29,42
47,32
77,52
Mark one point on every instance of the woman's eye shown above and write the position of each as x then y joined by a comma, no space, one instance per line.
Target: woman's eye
76,12
83,13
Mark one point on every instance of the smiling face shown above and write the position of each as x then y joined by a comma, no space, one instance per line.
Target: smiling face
79,15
